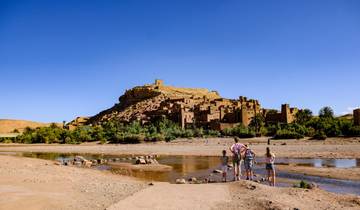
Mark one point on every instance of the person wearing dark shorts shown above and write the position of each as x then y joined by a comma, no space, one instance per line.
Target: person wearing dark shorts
236,150
249,162
269,166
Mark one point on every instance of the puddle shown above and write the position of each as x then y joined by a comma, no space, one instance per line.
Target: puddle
202,167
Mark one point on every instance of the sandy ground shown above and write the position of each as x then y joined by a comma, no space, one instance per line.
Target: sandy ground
253,196
331,148
39,184
27,183
336,173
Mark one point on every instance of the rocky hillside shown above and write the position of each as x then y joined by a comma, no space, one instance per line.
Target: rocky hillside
137,102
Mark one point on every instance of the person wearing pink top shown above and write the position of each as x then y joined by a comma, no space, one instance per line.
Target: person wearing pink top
269,165
237,149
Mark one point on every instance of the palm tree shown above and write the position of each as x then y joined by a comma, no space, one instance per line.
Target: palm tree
303,116
326,112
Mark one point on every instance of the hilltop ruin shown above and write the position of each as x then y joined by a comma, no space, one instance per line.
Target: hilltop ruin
188,107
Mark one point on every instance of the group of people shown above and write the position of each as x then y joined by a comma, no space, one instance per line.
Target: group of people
243,153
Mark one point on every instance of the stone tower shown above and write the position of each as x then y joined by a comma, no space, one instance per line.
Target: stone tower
285,113
159,82
357,117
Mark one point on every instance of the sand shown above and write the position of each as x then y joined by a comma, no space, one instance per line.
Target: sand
335,173
27,183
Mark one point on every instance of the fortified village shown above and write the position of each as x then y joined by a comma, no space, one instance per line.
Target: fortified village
188,107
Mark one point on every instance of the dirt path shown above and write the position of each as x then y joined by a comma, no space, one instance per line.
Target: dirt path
165,196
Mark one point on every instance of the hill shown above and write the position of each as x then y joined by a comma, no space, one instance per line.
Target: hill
143,103
8,125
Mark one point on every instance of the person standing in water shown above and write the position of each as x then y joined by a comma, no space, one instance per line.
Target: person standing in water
270,168
224,165
236,149
249,162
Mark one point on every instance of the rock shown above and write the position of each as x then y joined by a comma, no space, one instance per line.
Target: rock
79,158
140,161
251,187
57,163
151,184
87,163
312,185
180,181
193,180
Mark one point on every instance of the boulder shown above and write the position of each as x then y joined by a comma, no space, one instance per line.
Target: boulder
192,180
312,185
87,163
217,171
180,181
140,161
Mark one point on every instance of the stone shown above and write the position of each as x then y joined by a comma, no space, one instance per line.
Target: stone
140,161
193,180
312,185
251,187
87,163
180,181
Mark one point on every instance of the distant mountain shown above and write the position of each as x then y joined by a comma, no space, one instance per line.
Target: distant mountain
347,116
8,125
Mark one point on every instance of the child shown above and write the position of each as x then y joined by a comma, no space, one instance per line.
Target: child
269,160
249,162
224,165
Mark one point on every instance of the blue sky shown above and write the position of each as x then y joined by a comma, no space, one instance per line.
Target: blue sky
62,59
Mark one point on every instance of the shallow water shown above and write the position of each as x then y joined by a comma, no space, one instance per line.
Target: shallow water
202,167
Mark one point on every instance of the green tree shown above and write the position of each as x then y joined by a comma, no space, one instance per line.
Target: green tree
303,116
257,122
326,112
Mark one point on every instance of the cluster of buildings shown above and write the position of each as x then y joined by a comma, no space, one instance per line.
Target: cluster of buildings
216,113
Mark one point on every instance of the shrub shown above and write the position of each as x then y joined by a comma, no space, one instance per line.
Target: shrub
319,135
212,133
304,185
286,134
354,131
239,131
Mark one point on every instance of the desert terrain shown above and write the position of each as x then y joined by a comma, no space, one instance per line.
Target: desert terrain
9,125
41,184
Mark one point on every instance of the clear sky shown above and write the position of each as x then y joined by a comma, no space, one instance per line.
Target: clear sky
61,59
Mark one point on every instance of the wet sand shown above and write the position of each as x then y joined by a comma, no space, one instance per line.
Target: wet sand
335,173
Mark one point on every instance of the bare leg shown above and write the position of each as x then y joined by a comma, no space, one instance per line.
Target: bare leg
273,177
235,170
268,176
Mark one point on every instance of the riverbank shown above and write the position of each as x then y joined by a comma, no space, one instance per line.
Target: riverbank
330,148
27,183
334,173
